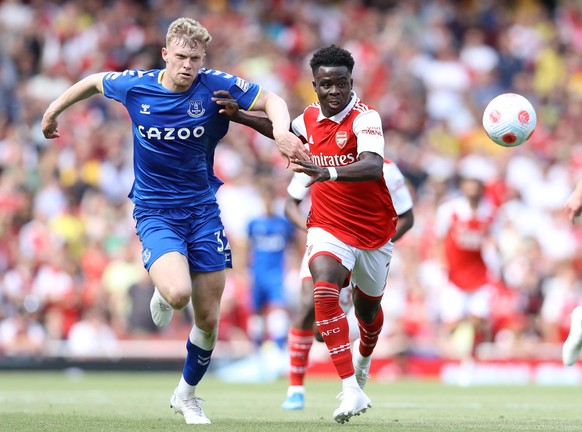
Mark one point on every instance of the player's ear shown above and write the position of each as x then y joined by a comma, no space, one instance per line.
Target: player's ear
165,54
314,86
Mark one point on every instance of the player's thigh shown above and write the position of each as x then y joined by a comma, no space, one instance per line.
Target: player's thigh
164,250
329,258
171,275
207,289
371,270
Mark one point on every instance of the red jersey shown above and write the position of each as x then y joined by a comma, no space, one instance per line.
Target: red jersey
360,214
464,232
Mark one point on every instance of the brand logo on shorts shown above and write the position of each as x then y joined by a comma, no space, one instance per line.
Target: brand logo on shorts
146,255
195,109
341,139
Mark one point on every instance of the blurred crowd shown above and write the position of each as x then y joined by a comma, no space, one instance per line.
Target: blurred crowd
70,270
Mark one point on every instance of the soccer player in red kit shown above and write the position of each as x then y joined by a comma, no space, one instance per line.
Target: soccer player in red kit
301,332
573,344
351,220
463,226
352,217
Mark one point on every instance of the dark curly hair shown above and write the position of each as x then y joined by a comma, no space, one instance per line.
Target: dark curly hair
331,56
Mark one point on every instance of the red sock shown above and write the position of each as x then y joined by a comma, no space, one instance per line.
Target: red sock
300,342
369,333
333,326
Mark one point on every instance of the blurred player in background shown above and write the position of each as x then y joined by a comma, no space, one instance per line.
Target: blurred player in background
351,221
176,128
301,333
269,236
463,227
573,343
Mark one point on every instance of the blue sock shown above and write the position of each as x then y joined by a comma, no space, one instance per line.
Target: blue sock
196,364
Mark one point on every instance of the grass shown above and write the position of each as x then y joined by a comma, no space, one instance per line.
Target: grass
60,402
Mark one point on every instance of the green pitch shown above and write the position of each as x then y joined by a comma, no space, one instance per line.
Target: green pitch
59,402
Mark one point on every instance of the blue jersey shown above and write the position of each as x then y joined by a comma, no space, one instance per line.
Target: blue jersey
268,237
175,134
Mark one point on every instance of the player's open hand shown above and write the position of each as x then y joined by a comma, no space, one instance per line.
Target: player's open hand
230,106
573,207
317,173
291,147
49,126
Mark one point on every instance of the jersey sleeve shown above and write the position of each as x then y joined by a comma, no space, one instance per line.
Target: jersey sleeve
443,220
298,127
246,93
116,85
368,128
399,192
296,188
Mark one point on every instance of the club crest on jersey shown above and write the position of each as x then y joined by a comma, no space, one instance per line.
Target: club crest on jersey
341,139
195,109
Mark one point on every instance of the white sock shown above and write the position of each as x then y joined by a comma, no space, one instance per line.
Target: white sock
350,383
185,390
361,361
202,339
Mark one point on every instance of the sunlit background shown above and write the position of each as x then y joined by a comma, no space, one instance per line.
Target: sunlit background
72,286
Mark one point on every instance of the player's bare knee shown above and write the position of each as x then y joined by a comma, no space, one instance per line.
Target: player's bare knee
177,298
206,323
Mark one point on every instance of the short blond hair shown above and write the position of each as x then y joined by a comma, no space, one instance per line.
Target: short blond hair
189,32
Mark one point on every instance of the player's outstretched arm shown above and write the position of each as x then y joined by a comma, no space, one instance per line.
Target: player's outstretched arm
88,86
289,144
232,111
369,167
405,222
294,213
573,206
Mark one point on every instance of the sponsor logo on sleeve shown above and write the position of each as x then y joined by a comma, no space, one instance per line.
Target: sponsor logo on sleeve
373,130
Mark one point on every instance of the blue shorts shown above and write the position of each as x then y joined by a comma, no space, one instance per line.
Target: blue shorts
268,290
195,232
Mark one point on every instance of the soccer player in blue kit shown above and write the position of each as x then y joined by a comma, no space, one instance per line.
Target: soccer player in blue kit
269,235
176,127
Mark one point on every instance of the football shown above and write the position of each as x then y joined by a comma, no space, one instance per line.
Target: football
509,120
